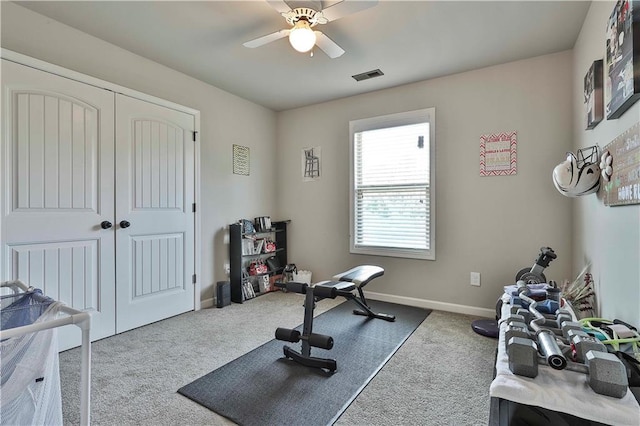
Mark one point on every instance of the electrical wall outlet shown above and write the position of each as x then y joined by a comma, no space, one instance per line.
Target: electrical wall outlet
475,279
227,268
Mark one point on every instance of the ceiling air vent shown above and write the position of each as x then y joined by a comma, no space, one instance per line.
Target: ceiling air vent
367,75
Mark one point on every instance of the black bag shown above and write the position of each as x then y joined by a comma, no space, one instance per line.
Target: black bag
633,367
273,263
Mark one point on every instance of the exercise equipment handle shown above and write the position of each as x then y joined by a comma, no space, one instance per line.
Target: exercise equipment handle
546,338
551,351
325,292
540,319
546,256
297,287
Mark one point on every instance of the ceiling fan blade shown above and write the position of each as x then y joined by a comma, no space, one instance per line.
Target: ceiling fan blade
280,5
260,41
328,46
346,7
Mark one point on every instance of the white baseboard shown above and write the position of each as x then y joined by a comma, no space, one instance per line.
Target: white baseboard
409,301
207,303
431,304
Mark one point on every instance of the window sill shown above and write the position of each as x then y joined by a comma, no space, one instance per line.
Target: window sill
400,253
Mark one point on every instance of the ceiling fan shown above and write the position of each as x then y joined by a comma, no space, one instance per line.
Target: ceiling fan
303,18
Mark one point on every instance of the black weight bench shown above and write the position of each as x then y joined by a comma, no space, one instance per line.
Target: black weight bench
342,285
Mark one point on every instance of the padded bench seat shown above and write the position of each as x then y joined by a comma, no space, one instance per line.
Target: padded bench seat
360,275
338,285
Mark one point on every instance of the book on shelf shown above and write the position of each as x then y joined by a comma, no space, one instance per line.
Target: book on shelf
247,290
247,246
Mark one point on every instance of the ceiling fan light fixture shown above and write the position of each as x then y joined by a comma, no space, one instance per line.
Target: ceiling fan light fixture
302,37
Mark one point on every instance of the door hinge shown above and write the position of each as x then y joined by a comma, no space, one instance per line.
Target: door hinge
193,207
193,278
194,136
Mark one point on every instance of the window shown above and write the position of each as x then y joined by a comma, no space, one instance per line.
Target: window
392,185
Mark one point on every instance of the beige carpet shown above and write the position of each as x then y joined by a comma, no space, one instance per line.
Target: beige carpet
440,376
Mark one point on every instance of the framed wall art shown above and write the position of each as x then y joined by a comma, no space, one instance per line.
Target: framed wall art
311,162
498,154
622,85
593,96
241,165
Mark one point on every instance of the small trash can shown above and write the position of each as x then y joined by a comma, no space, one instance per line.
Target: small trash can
223,294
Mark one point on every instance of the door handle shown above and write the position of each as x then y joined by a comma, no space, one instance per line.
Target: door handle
124,224
106,224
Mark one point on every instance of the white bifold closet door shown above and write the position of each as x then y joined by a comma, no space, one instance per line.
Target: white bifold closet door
57,188
77,162
154,195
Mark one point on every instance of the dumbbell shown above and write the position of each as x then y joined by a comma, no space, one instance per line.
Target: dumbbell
523,351
514,318
516,329
520,329
606,373
519,310
563,316
582,343
316,340
561,320
523,356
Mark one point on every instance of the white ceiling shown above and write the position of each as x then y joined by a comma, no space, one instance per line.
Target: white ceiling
408,40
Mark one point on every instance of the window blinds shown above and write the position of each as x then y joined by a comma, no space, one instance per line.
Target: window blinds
391,187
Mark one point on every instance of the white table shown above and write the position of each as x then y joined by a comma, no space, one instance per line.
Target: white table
561,391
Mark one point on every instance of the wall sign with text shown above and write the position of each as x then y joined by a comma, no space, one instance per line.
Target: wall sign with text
622,187
498,154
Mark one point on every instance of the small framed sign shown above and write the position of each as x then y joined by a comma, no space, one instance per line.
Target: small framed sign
498,154
240,160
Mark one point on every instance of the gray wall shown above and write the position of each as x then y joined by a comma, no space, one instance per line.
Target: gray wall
608,237
225,120
491,225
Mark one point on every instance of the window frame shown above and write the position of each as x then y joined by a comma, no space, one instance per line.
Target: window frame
380,122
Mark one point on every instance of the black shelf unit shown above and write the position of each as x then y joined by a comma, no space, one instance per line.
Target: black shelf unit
239,262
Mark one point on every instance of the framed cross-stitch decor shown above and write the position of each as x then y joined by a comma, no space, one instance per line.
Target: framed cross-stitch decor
240,160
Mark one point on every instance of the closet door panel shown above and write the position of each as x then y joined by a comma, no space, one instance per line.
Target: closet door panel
155,181
57,173
65,271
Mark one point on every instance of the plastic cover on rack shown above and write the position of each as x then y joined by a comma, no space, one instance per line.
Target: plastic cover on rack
29,374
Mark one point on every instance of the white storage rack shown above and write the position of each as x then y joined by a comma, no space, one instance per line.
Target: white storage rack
74,316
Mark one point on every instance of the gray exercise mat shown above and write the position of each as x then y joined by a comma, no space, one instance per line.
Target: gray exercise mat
264,388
